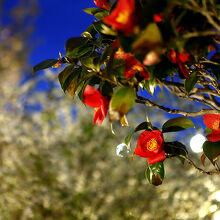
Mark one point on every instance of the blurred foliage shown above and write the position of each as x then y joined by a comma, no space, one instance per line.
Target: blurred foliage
56,167
15,29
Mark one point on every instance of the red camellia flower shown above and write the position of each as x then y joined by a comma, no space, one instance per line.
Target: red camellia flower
122,17
93,98
104,4
180,59
132,66
150,144
212,121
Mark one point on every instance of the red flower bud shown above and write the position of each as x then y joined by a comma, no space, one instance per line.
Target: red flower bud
93,98
150,144
212,121
104,4
158,18
122,17
180,59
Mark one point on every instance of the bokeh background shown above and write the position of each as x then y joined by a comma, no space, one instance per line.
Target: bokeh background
54,164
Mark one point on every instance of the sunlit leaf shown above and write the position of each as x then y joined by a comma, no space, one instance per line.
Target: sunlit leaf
177,124
121,103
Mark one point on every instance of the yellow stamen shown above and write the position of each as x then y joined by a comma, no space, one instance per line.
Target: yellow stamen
123,17
215,125
137,68
152,144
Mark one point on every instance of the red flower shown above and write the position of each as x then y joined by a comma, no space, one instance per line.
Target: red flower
150,144
132,66
93,98
104,4
158,18
212,121
180,59
122,17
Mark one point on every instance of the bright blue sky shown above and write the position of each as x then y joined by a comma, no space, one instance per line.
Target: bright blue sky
57,21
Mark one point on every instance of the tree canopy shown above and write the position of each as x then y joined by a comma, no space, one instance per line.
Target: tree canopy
135,47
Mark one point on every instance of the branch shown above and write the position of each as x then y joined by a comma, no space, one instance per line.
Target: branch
149,103
199,169
179,90
199,34
190,162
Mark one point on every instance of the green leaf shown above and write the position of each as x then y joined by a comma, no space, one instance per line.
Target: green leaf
149,38
177,124
211,150
175,149
89,33
67,75
44,65
143,126
208,130
155,173
92,61
191,82
73,43
81,51
121,103
92,11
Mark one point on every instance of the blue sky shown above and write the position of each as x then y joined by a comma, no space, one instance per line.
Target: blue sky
56,22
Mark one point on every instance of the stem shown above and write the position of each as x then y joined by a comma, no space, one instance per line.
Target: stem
190,162
149,103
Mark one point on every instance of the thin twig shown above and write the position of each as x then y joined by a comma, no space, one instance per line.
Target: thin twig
149,103
190,162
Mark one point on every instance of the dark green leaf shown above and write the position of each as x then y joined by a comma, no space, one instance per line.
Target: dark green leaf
92,11
107,89
92,61
44,65
81,51
73,43
175,148
90,32
155,173
177,124
67,75
211,150
191,82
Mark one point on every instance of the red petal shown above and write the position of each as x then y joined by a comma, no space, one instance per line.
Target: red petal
98,117
92,97
210,120
142,138
183,69
158,18
140,152
104,106
183,57
214,136
121,7
157,158
172,56
104,4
